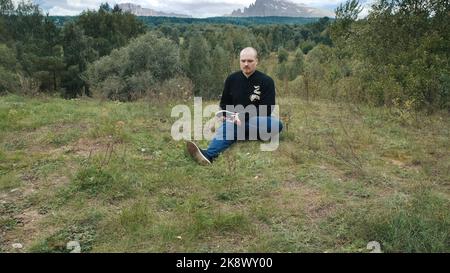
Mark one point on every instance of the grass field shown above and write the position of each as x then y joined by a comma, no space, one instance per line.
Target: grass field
110,176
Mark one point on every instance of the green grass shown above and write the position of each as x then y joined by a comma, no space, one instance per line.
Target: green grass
9,181
110,176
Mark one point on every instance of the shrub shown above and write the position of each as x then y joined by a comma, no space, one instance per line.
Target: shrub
139,68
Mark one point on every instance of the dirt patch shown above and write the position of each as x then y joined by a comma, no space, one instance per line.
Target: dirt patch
413,166
319,210
397,162
88,147
24,233
26,219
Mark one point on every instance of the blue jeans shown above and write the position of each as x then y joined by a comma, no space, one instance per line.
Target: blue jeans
257,128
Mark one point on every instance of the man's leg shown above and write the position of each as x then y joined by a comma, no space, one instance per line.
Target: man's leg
225,136
263,127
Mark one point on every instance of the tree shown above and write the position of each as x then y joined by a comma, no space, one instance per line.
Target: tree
297,65
109,30
346,15
93,35
35,39
138,68
283,74
8,78
220,68
78,52
307,45
282,55
262,47
105,7
401,49
6,7
4,33
48,68
116,9
198,65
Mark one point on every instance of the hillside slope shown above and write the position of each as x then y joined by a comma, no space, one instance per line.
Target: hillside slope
110,176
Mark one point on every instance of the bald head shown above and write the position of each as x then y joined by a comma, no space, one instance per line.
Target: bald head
250,51
248,61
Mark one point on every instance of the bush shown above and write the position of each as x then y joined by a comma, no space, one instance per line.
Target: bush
8,81
404,49
137,69
28,86
306,46
8,78
94,181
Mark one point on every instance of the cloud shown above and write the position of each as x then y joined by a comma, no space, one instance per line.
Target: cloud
201,8
67,7
59,10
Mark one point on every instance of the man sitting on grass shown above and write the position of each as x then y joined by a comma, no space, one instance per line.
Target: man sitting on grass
248,100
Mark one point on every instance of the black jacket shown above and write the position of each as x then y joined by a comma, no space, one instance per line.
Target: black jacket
258,89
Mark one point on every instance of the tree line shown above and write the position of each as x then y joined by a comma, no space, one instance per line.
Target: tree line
397,55
39,54
243,21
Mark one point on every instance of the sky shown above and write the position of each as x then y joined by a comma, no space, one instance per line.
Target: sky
195,8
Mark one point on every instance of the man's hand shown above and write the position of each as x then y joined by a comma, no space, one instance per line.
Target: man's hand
236,119
230,117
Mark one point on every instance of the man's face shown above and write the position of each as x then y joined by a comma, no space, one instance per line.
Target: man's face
248,62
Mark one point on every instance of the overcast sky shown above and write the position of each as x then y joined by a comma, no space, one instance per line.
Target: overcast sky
199,8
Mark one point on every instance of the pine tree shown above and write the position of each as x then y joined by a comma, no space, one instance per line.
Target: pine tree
220,68
297,65
6,7
78,52
198,65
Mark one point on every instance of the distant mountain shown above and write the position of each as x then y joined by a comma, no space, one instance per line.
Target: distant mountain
240,21
140,11
280,8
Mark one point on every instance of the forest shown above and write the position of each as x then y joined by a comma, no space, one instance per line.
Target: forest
397,55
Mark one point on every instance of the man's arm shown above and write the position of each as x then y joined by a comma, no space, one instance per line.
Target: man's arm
226,98
268,97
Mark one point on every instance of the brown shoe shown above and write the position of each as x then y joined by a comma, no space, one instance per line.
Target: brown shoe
197,154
